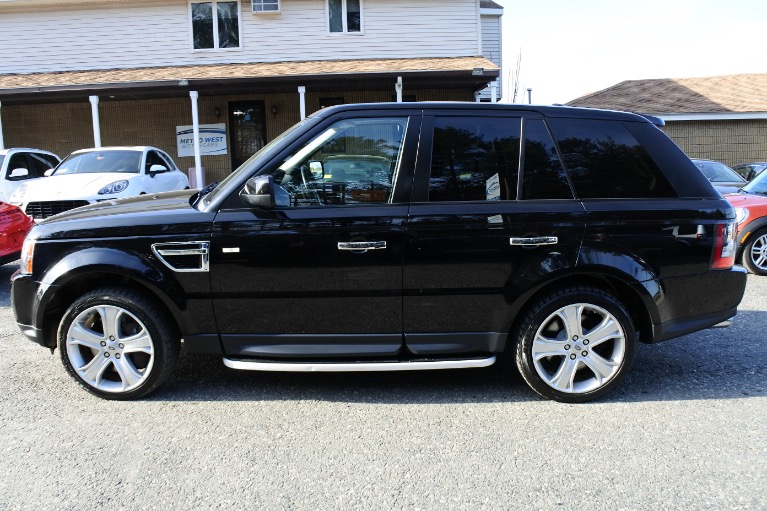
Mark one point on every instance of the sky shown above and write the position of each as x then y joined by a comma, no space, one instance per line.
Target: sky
570,48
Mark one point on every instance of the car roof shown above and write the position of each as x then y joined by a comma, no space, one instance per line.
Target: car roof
140,148
546,110
4,152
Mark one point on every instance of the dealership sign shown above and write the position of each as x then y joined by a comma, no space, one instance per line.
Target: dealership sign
212,140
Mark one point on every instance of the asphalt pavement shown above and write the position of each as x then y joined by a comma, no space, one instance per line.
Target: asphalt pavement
686,430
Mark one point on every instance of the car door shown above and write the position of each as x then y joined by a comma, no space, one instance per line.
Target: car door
320,276
157,181
482,231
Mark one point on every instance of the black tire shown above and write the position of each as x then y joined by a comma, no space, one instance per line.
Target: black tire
128,358
557,366
755,253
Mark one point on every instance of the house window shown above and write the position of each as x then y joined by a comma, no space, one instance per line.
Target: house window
345,15
266,6
215,25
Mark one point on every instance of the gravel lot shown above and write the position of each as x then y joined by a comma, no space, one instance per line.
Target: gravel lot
687,430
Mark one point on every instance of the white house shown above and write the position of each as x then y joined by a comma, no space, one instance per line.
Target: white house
79,73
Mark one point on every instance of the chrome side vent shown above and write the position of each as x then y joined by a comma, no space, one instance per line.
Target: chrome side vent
183,256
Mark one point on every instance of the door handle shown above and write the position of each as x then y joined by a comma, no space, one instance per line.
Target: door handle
534,241
361,246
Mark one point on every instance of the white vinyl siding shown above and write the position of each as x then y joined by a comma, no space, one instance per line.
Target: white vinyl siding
157,33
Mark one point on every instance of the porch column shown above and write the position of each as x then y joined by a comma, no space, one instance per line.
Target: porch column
2,145
95,117
302,100
494,92
196,133
398,89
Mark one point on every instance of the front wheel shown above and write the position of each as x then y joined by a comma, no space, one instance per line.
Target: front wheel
755,253
575,345
117,343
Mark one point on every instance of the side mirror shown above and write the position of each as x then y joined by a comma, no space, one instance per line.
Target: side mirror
317,170
261,192
48,172
19,173
157,169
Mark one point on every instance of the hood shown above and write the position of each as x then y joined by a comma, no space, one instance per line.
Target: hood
744,200
157,215
70,186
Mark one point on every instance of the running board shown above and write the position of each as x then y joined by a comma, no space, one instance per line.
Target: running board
339,367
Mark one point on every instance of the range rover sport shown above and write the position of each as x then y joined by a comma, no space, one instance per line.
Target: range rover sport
387,237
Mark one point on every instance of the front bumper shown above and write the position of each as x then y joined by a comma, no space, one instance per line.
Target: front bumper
25,305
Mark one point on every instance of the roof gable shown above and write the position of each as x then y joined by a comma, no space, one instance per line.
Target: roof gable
717,94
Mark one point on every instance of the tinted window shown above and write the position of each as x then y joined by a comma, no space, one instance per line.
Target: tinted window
40,163
543,174
474,158
606,161
18,161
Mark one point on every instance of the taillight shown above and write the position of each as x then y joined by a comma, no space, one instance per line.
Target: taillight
724,246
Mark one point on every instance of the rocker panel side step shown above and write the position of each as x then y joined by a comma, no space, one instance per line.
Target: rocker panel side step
340,367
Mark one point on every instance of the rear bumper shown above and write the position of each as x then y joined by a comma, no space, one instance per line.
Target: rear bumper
697,302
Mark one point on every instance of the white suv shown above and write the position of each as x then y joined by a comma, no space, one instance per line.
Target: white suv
19,164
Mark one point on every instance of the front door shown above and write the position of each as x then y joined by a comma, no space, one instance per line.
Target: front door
321,275
247,129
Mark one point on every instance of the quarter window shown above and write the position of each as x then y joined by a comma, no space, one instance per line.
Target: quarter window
344,15
606,161
353,162
474,159
215,25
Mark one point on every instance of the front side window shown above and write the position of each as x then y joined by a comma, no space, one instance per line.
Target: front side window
215,25
354,161
474,159
345,15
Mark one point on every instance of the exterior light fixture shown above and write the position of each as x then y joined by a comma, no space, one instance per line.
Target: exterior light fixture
478,71
274,110
217,112
183,82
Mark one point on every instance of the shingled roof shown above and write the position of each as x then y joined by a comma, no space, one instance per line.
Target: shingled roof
743,93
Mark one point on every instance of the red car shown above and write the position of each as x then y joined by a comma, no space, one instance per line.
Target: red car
751,207
14,226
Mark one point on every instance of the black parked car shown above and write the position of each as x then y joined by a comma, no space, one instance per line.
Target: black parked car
396,237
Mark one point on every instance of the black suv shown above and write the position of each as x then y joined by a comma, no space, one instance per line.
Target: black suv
397,237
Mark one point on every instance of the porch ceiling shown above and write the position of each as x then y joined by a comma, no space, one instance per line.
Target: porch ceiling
259,78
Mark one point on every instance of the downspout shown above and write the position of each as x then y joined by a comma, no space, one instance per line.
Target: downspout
95,117
302,101
2,145
196,132
398,89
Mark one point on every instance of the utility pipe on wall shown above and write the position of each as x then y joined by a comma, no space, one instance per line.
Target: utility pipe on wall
2,146
398,88
95,117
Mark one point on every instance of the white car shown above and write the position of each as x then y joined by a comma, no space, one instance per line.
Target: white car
93,175
20,164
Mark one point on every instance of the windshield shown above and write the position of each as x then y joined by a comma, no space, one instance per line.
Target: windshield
251,162
717,172
758,184
100,161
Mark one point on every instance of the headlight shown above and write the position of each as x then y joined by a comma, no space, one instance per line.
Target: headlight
741,215
18,194
116,187
27,254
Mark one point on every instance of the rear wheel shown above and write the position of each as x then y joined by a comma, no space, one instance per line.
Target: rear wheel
755,253
117,343
575,345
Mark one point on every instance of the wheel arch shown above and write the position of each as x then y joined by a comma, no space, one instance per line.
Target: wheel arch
97,268
639,298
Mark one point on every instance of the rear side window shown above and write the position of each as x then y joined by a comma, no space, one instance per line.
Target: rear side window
606,161
474,159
